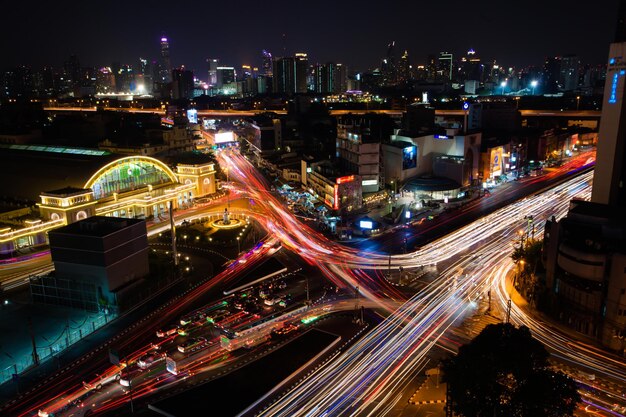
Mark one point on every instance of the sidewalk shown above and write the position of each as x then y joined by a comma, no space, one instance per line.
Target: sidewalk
432,390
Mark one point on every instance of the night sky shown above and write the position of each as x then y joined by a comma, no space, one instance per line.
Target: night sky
354,33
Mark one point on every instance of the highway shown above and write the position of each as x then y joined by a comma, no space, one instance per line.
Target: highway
369,377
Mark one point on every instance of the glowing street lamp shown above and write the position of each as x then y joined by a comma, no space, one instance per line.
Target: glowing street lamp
503,84
533,84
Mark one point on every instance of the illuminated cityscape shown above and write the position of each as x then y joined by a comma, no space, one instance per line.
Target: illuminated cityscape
378,210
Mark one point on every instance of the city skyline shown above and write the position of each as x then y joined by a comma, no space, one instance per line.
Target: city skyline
360,41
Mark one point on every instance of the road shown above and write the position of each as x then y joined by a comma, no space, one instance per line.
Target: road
369,378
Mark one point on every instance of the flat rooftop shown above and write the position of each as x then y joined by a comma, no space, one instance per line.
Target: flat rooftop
97,226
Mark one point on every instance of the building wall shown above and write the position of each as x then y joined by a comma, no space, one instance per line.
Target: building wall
109,261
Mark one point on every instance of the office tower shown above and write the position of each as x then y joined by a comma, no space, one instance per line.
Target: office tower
166,70
246,72
225,76
569,72
182,83
389,66
268,63
431,67
71,74
445,65
290,74
471,68
213,64
552,74
302,65
16,82
610,171
584,253
404,68
329,78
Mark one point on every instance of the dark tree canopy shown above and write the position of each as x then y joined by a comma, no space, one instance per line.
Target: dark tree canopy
504,372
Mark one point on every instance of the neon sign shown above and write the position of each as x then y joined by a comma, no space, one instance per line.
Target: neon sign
614,82
349,178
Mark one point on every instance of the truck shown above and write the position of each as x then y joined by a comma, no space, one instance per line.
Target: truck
178,363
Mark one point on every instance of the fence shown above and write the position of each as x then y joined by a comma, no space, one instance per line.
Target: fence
53,348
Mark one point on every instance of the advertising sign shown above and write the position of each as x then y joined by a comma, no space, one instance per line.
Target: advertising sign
496,161
409,157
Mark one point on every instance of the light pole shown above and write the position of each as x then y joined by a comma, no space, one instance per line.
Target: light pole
238,246
577,102
503,85
533,85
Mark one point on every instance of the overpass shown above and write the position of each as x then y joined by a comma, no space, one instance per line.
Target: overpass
583,114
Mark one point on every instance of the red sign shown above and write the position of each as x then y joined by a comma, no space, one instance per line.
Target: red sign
349,178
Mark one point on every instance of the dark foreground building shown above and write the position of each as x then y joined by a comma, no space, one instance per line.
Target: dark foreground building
97,262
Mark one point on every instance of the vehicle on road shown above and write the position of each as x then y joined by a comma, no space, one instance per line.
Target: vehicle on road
101,381
149,359
192,344
167,332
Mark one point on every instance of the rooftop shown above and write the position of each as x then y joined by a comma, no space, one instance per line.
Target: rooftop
97,226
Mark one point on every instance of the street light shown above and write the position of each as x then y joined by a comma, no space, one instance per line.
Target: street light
577,102
503,84
533,84
238,246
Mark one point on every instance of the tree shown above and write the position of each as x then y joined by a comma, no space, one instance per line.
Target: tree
504,372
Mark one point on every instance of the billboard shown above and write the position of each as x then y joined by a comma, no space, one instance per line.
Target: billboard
224,137
366,224
409,157
496,161
192,115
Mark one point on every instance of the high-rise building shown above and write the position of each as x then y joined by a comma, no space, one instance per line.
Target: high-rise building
404,68
569,75
552,75
389,65
246,72
166,71
71,74
471,68
182,83
213,64
610,172
445,65
225,76
268,63
290,74
584,253
302,65
329,78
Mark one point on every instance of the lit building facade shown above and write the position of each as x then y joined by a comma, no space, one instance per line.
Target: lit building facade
129,187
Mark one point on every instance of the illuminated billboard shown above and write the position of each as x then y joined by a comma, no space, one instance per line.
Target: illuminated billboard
409,157
366,224
224,137
192,115
496,161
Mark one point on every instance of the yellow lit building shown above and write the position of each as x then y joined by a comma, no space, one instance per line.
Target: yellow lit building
130,186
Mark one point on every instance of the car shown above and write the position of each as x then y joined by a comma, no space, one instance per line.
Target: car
167,332
101,381
191,344
149,359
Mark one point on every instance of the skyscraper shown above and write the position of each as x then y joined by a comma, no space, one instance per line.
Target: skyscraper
445,65
213,64
290,74
389,65
225,76
166,71
610,171
182,83
552,74
268,63
569,72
